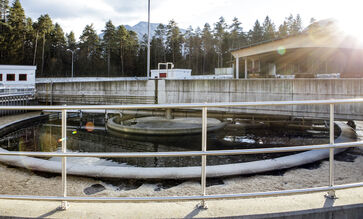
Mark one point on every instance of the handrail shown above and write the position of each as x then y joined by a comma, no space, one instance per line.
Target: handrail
185,105
178,198
203,153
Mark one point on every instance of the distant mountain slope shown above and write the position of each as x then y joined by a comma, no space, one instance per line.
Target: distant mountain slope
141,29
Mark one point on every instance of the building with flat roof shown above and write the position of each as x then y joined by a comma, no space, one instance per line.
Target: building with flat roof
17,79
322,48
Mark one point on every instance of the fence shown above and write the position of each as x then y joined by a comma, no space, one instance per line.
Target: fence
203,153
14,100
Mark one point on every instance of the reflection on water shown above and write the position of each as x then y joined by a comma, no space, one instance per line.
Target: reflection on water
241,139
91,136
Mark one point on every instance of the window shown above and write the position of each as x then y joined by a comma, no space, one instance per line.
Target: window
1,77
10,77
22,77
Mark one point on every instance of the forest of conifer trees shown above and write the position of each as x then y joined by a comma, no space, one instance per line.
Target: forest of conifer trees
119,52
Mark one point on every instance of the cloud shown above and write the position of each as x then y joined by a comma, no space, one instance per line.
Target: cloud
133,5
76,14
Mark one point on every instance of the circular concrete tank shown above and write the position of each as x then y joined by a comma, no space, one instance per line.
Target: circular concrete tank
347,134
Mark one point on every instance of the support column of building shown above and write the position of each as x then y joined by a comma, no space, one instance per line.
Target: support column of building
246,62
237,67
259,65
253,66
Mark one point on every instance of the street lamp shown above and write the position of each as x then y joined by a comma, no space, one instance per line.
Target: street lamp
72,51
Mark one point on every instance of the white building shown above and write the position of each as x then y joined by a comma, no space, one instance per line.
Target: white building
17,79
171,73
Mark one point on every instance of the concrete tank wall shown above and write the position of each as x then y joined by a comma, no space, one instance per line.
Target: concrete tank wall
105,92
200,91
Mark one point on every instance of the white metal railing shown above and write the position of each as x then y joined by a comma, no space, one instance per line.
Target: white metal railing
16,91
166,66
203,153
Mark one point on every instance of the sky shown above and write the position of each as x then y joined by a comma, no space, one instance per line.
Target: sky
74,15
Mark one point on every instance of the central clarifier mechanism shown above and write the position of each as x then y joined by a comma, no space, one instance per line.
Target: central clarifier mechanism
162,125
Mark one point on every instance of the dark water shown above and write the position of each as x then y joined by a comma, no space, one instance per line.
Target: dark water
90,135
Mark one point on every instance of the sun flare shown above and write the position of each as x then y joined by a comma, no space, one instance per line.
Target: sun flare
350,21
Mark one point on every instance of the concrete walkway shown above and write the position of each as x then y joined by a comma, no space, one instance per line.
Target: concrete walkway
313,203
7,119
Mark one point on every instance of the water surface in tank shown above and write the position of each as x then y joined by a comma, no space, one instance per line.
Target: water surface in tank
90,135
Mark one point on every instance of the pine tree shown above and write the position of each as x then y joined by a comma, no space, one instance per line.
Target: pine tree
157,46
4,10
16,39
283,30
29,42
122,36
131,53
257,33
193,47
57,51
174,42
220,35
237,36
160,47
89,40
44,27
71,41
141,61
189,38
268,29
4,31
154,56
197,45
296,26
290,22
57,37
208,48
90,51
109,41
71,44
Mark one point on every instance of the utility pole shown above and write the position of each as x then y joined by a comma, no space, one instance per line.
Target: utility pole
72,51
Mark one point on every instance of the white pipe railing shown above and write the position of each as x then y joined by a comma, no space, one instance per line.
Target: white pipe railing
203,153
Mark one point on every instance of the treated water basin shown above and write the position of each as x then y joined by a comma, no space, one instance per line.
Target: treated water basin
90,135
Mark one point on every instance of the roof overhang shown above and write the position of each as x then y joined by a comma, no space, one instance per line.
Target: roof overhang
304,40
18,67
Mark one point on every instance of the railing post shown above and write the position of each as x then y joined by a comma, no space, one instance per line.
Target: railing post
204,157
64,204
331,193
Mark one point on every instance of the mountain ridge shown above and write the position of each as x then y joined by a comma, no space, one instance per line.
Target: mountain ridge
141,29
